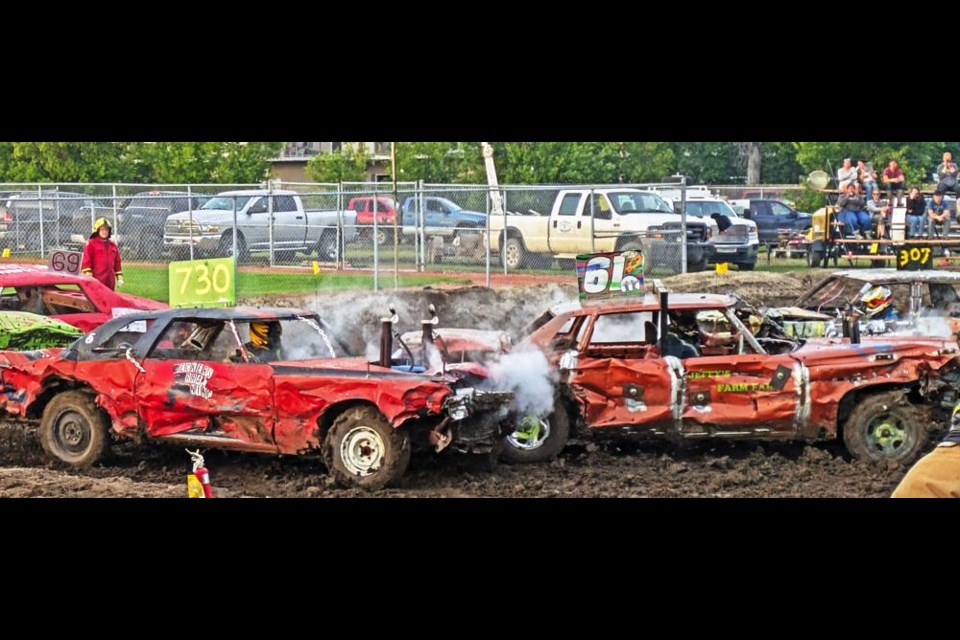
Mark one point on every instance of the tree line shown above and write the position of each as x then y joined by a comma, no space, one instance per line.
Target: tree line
462,162
633,162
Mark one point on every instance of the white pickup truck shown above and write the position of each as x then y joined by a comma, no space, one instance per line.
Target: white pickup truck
294,228
621,216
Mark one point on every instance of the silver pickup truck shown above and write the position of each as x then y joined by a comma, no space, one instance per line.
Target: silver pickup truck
294,228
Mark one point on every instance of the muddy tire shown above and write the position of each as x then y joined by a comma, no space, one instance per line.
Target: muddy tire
74,430
363,449
885,427
538,439
327,247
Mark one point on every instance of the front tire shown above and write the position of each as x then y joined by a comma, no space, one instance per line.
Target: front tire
814,258
74,430
885,427
363,449
538,439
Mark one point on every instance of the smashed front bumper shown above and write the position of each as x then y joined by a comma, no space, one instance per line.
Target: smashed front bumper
474,422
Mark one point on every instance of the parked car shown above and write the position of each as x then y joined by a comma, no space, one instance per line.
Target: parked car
185,377
737,243
80,301
21,218
386,208
139,229
774,216
440,217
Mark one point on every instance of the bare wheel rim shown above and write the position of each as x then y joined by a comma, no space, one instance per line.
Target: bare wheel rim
513,255
71,433
362,451
888,435
530,434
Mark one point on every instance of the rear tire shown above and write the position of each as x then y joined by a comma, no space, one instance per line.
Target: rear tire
327,247
513,255
747,266
225,248
814,259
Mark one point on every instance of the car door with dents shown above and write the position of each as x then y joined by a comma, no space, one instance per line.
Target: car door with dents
194,378
732,388
619,377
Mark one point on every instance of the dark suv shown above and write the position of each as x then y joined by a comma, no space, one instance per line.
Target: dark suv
22,211
140,224
773,216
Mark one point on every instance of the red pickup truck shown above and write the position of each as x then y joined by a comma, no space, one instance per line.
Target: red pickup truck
386,208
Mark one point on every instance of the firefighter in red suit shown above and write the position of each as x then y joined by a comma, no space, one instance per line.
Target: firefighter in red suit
101,256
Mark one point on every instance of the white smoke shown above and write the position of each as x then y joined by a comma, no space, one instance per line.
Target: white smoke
529,376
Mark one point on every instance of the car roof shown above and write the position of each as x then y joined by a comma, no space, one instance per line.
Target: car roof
12,275
258,192
892,276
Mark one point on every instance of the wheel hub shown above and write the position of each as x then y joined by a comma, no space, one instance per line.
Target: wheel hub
530,433
887,435
362,451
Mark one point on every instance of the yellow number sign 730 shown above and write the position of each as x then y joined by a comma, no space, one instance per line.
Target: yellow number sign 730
914,258
203,283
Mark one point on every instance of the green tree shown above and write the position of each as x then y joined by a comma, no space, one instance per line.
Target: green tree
444,162
69,162
199,162
581,162
346,164
917,159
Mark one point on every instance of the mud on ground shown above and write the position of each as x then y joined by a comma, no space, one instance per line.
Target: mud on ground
587,469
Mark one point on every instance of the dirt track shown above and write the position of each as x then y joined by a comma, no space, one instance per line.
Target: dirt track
584,470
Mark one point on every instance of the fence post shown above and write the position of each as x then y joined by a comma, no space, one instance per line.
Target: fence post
488,240
236,261
376,243
593,241
503,240
683,224
420,230
40,212
270,220
341,259
190,215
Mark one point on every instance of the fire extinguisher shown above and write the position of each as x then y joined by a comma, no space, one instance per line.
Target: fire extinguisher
198,482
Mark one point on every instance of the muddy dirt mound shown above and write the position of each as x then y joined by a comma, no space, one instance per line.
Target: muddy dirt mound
758,288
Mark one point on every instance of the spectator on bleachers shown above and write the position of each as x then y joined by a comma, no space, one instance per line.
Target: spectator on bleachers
938,216
916,213
947,174
846,174
893,182
853,215
879,214
867,177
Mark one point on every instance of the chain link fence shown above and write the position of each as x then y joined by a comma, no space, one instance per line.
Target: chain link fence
366,229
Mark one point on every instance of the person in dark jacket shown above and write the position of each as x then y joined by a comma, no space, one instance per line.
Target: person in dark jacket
101,256
916,213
